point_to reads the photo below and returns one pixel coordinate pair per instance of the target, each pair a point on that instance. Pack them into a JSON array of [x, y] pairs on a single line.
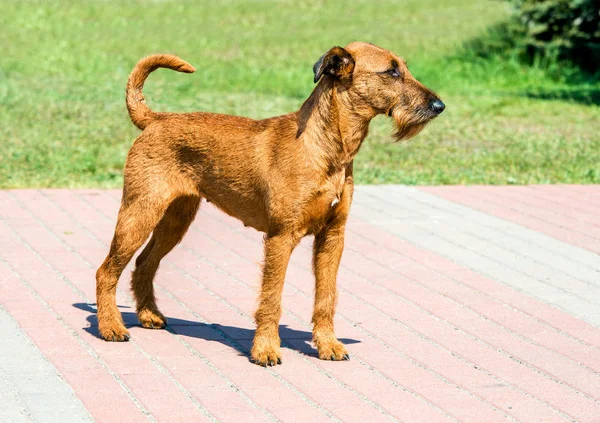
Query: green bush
[[560, 29], [547, 33]]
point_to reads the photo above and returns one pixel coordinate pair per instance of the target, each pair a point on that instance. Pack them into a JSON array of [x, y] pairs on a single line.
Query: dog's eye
[[393, 72]]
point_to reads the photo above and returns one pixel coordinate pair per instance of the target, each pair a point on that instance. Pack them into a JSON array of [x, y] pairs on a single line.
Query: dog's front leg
[[266, 345], [327, 253]]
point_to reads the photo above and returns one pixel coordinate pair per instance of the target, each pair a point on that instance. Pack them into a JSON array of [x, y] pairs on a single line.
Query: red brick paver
[[432, 338], [566, 212]]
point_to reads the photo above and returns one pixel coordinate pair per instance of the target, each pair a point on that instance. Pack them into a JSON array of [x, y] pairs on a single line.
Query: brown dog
[[287, 176]]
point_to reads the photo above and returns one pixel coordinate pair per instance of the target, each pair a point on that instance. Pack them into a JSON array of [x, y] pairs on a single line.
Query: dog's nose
[[438, 107]]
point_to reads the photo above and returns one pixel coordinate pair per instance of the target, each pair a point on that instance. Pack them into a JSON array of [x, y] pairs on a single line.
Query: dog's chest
[[326, 197], [333, 188]]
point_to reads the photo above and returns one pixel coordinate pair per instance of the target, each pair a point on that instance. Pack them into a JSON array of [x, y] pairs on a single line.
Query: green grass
[[64, 66]]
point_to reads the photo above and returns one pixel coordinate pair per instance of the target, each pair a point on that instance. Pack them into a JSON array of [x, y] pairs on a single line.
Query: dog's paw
[[266, 351], [115, 332], [152, 319], [332, 349]]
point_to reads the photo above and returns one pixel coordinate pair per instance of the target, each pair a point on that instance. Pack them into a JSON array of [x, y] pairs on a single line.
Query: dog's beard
[[408, 123]]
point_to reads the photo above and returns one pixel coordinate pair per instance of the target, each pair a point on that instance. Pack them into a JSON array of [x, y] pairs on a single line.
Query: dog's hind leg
[[167, 234], [137, 218]]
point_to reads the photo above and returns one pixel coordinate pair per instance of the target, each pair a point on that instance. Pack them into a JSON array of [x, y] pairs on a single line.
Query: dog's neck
[[329, 125]]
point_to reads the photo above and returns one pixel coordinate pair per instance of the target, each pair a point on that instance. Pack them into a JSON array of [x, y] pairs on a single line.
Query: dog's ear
[[336, 62]]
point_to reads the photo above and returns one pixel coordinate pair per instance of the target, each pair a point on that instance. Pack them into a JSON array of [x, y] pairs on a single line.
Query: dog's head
[[378, 82]]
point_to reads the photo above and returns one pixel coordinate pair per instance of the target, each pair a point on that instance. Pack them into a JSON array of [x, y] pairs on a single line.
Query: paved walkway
[[478, 304]]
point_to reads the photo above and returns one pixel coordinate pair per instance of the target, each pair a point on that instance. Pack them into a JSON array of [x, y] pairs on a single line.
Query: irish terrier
[[287, 176]]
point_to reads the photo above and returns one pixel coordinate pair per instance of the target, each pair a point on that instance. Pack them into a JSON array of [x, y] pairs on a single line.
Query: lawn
[[64, 66]]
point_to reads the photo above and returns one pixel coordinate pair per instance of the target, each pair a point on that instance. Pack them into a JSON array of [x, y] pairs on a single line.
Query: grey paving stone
[[30, 387], [13, 408], [578, 262], [534, 263]]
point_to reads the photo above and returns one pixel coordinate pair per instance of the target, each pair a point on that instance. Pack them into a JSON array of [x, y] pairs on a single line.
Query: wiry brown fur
[[287, 176]]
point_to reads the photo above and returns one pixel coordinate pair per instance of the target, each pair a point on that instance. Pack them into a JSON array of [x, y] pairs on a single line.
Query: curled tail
[[140, 113]]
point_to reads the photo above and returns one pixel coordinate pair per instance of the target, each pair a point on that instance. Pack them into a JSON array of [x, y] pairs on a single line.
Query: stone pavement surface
[[457, 304]]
